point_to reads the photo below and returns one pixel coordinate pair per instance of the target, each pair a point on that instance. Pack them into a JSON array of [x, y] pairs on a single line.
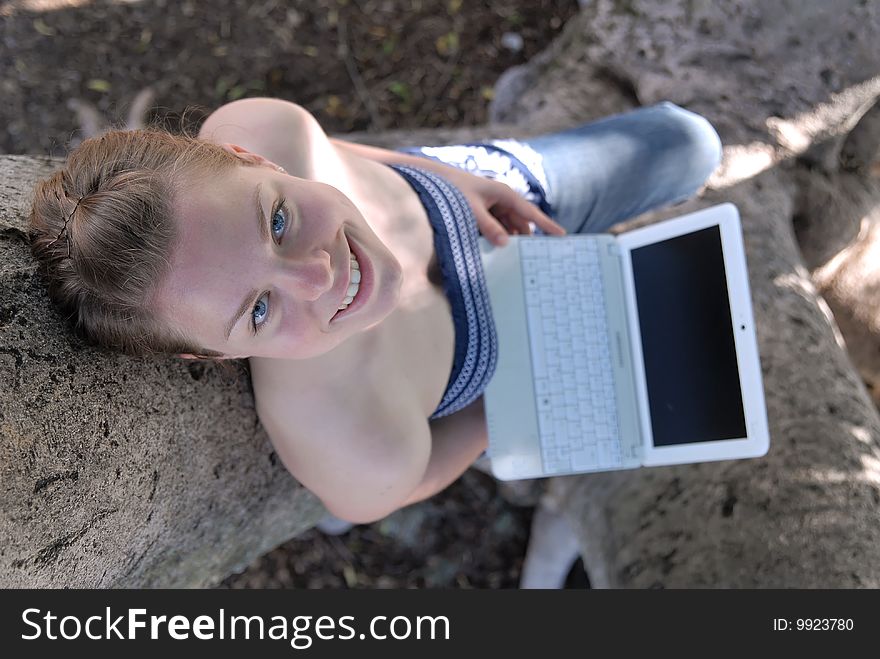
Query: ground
[[465, 537], [356, 65]]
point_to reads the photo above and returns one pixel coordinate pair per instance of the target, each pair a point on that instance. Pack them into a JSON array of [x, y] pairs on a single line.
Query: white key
[[542, 386], [606, 457], [560, 428], [586, 458]]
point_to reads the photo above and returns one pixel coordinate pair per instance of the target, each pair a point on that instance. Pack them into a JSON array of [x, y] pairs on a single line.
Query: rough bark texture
[[778, 80], [121, 472], [844, 208]]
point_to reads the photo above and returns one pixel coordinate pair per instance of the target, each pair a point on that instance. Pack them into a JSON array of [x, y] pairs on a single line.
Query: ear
[[248, 156], [187, 355]]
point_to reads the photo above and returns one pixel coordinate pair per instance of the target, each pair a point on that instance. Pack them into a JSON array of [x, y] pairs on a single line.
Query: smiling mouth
[[353, 283], [355, 294]]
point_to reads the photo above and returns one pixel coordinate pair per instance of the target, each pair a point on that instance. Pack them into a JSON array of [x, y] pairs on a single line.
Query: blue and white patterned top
[[511, 162], [458, 255]]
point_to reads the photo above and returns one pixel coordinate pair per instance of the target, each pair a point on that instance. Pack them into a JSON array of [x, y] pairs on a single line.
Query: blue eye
[[279, 219], [277, 225], [260, 312]]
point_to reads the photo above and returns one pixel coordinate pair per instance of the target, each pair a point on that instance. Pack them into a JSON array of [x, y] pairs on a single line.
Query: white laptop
[[625, 351]]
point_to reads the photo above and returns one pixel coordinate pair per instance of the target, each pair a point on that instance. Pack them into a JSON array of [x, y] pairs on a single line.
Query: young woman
[[348, 276]]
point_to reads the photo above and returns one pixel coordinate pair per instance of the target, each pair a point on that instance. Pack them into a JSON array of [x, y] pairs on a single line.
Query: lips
[[348, 273]]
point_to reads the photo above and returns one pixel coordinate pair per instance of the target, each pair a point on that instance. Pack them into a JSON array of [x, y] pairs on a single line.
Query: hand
[[498, 209]]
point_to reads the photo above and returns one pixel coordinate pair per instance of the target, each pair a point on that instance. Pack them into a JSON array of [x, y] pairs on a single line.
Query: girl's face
[[263, 263]]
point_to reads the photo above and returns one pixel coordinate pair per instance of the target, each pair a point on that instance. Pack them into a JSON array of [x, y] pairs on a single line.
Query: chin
[[392, 285]]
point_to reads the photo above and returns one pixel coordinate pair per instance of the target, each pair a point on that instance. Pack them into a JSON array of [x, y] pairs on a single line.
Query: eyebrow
[[248, 300]]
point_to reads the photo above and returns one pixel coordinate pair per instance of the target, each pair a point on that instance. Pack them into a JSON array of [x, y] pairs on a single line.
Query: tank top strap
[[458, 256]]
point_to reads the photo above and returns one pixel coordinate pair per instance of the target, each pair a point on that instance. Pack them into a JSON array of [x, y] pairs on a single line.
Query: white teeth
[[353, 286]]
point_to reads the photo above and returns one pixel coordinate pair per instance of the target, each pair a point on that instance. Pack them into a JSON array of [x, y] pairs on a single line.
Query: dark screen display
[[687, 340]]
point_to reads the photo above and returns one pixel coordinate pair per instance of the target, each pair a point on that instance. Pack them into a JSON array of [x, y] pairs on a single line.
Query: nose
[[306, 276]]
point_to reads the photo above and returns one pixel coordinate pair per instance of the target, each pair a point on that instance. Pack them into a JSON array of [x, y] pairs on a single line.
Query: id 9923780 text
[[813, 624]]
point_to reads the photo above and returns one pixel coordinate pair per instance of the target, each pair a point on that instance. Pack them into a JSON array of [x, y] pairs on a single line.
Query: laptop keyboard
[[568, 332]]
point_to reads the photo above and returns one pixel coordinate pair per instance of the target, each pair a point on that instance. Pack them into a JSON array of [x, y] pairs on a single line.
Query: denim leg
[[609, 170]]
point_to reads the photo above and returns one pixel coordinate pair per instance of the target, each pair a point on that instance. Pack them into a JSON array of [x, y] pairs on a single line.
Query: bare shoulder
[[282, 131], [362, 452]]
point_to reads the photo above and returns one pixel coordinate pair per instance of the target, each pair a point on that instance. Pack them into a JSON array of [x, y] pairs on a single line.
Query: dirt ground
[[356, 65]]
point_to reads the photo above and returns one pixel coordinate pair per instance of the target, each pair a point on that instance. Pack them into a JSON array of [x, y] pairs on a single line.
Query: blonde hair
[[102, 232]]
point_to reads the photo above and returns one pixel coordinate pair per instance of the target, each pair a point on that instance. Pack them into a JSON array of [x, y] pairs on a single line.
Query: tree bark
[[124, 472], [154, 472], [115, 471], [774, 79]]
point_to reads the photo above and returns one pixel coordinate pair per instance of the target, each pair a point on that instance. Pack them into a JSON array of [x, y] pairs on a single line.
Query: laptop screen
[[687, 340]]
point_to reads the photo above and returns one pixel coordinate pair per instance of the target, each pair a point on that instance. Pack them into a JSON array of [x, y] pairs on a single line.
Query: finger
[[514, 220], [536, 215], [491, 228], [510, 213], [510, 221]]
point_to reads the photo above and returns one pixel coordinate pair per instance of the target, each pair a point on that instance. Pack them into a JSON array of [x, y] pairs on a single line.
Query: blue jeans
[[607, 171]]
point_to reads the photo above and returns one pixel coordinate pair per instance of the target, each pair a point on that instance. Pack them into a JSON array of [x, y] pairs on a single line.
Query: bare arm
[[289, 135], [362, 465], [394, 157], [497, 208], [456, 441]]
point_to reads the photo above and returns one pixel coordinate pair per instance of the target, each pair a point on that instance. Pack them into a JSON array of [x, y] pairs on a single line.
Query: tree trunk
[[154, 472], [121, 472], [124, 472], [774, 78]]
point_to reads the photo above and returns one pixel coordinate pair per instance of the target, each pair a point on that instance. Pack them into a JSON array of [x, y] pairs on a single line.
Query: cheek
[[342, 210], [323, 208], [299, 333], [334, 203], [307, 344]]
